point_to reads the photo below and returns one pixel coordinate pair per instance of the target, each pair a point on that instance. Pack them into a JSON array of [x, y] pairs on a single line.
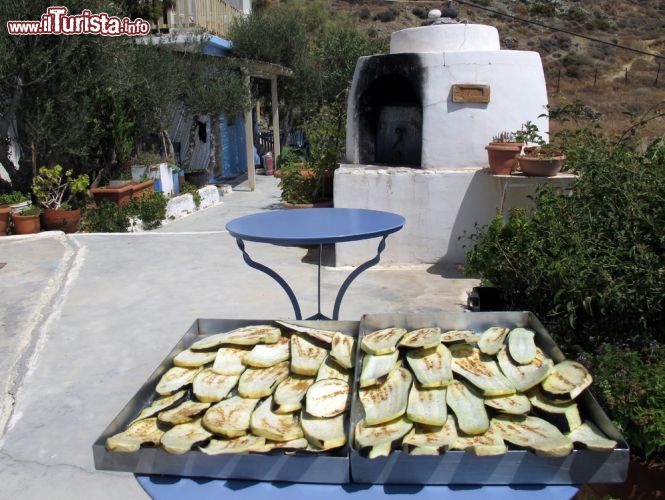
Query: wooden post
[[655, 84], [275, 120], [249, 140]]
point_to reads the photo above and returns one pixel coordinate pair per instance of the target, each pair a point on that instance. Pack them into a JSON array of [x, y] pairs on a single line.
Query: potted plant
[[56, 191], [197, 176], [501, 153], [27, 221], [16, 200], [539, 158], [4, 218]]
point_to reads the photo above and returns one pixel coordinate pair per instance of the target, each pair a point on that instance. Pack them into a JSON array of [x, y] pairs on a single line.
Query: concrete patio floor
[[85, 318]]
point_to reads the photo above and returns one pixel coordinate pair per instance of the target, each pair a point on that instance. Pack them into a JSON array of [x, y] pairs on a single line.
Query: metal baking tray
[[516, 466], [332, 467]]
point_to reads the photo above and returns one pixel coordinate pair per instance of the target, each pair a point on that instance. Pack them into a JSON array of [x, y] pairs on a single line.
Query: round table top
[[314, 226], [168, 487]]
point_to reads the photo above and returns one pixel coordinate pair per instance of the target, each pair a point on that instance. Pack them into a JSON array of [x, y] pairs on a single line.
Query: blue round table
[[314, 226]]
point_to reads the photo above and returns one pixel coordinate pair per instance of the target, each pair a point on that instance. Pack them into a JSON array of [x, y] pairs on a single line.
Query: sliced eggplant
[[183, 413], [568, 378], [228, 360], [330, 369], [323, 433], [260, 382], [521, 346], [489, 443], [193, 359], [524, 377], [266, 355], [468, 408], [432, 367], [294, 444], [515, 404], [592, 437], [327, 398], [159, 405], [231, 417], [565, 416], [242, 444], [175, 379], [290, 393], [138, 433], [423, 450], [343, 348], [306, 356], [247, 335], [380, 437], [325, 336], [467, 336], [376, 368], [180, 438], [424, 338], [270, 425], [427, 406], [481, 370], [491, 340], [534, 433], [210, 387], [435, 438], [387, 401], [382, 341]]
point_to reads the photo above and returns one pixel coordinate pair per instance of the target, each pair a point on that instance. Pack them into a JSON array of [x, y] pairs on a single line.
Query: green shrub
[[298, 187], [13, 197], [190, 188], [151, 209], [385, 16], [107, 218]]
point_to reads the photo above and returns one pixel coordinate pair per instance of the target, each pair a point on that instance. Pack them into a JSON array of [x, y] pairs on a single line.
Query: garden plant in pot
[[16, 200], [57, 191], [4, 219], [539, 158], [27, 221], [502, 153]]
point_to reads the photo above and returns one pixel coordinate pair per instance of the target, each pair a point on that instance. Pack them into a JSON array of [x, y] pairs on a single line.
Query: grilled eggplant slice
[[432, 367], [247, 335], [290, 393], [434, 438], [193, 359], [492, 339], [141, 431], [175, 379], [343, 347], [468, 408], [427, 406], [183, 414], [159, 405], [534, 433], [210, 387], [327, 398], [330, 369], [567, 378], [324, 336], [382, 341], [592, 437], [294, 444], [565, 416], [489, 443], [481, 370], [424, 338], [266, 355], [180, 438], [228, 360], [272, 426], [380, 437], [466, 336], [306, 357], [377, 368], [242, 444], [231, 417], [515, 404], [260, 382], [323, 433], [521, 346], [524, 377], [388, 401]]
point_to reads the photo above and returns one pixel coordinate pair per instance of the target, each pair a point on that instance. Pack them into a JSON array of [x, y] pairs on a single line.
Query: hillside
[[609, 80]]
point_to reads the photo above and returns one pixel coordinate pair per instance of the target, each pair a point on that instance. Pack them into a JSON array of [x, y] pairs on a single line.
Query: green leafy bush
[[107, 218], [56, 188], [190, 188], [298, 184], [151, 209], [13, 197]]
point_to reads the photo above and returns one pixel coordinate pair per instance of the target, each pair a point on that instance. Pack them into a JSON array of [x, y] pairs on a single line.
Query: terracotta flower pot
[[119, 195], [541, 166], [62, 220], [4, 219], [501, 157], [26, 224]]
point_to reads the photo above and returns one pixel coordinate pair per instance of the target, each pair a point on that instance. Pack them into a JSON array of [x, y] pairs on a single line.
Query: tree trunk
[[190, 143], [212, 162]]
